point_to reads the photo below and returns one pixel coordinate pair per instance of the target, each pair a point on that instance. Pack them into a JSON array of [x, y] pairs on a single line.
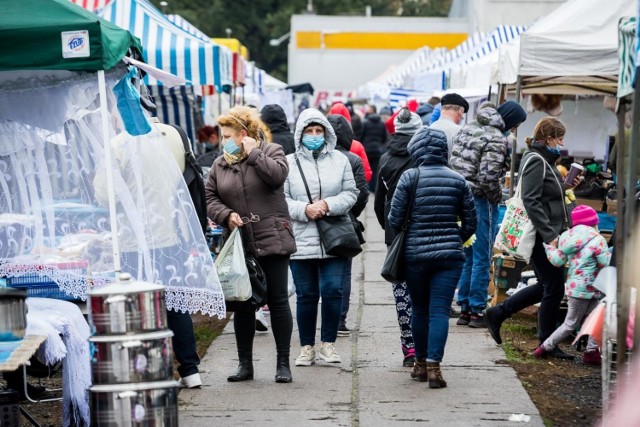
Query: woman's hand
[[575, 182], [315, 210], [234, 221], [249, 144], [554, 243]]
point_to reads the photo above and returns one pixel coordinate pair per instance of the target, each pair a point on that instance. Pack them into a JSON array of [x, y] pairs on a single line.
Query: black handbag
[[394, 265], [258, 288], [338, 234]]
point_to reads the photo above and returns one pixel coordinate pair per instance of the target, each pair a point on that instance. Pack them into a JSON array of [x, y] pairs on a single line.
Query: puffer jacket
[[330, 178], [254, 186], [344, 135], [392, 164], [274, 117], [586, 252], [480, 154], [374, 135], [442, 198]]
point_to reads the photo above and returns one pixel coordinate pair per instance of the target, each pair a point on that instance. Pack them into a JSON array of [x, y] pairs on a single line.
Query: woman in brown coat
[[245, 189]]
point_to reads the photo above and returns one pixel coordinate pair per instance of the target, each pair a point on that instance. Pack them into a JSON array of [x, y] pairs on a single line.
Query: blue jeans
[[474, 281], [346, 291], [315, 278], [431, 286]]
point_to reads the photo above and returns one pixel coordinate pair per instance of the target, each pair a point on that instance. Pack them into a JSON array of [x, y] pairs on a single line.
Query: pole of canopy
[[622, 292], [631, 221], [102, 89], [514, 147]]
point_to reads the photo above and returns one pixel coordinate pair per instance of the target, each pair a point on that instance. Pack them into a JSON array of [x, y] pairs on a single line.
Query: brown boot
[[435, 375], [420, 370]]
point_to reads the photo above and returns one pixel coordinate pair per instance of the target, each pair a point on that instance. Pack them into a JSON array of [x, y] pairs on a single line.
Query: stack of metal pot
[[132, 358]]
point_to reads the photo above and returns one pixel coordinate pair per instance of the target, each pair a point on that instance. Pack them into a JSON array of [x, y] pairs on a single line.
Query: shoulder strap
[[185, 139], [407, 214], [304, 180]]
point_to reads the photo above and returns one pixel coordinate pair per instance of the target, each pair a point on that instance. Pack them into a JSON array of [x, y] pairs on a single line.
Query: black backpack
[[193, 177]]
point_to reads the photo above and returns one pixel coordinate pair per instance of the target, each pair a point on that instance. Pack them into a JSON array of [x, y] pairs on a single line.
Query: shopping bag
[[232, 269], [517, 234], [593, 325]]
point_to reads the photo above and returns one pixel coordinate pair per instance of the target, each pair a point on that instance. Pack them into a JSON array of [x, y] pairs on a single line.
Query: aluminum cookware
[[13, 314], [141, 404], [131, 358], [127, 306]]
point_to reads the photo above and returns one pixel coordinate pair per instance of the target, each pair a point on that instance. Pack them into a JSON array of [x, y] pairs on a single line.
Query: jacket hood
[[579, 237], [311, 115], [397, 144], [342, 128], [374, 118], [273, 116], [339, 108], [490, 117], [429, 146], [424, 109]]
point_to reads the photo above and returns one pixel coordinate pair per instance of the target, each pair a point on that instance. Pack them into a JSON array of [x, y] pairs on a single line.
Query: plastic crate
[[40, 285]]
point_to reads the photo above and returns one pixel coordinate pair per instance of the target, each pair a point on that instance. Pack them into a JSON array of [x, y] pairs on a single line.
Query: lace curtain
[[54, 216]]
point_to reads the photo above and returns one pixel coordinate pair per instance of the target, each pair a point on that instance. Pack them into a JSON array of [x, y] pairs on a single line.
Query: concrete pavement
[[370, 387]]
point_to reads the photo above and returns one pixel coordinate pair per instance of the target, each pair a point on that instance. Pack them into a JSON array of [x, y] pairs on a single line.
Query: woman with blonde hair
[[543, 198], [245, 189]]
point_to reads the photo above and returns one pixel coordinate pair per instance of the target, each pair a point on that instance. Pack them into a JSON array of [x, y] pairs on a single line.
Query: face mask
[[312, 142], [231, 147], [209, 146], [554, 150], [507, 133]]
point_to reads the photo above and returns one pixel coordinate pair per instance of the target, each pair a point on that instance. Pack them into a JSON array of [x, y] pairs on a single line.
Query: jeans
[[403, 311], [474, 281], [315, 278], [244, 322], [346, 291], [431, 285], [548, 292], [183, 342]]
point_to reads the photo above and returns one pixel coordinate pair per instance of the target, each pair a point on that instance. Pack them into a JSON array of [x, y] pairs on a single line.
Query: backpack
[[193, 178]]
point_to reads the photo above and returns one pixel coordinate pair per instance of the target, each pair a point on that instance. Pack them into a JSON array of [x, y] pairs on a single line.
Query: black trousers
[[548, 292], [183, 342], [244, 322]]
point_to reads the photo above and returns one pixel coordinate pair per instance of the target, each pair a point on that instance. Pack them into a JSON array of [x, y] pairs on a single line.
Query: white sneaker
[[190, 381], [307, 356], [261, 322], [328, 353]]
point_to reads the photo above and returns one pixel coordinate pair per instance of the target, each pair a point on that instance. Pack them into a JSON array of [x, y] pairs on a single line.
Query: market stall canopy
[[574, 50], [59, 35], [301, 88], [627, 51]]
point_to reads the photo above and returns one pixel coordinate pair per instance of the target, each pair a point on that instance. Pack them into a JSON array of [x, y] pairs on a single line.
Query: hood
[[429, 146], [343, 130], [374, 118], [273, 116], [424, 109], [397, 144], [311, 115], [579, 237], [341, 109], [490, 117]]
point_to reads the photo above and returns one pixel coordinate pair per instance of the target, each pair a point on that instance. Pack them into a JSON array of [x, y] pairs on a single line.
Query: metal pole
[[514, 147], [622, 297], [632, 232]]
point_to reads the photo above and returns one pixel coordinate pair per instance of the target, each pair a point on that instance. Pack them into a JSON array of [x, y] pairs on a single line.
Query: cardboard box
[[612, 207], [507, 271], [596, 204]]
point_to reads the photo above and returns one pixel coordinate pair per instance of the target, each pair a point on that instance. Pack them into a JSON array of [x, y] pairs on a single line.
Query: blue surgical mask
[[554, 150], [231, 147], [507, 132], [209, 146], [313, 142]]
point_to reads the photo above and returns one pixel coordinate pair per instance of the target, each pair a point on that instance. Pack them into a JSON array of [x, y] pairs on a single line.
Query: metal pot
[[13, 314], [127, 306], [131, 358], [142, 404]]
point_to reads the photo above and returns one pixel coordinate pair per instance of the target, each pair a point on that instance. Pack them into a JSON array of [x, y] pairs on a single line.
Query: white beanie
[[407, 122]]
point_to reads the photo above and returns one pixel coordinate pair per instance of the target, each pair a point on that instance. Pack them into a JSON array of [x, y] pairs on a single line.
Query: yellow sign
[[382, 41], [234, 45]]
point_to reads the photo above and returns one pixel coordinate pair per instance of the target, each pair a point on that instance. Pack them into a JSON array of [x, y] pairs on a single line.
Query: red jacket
[[356, 146]]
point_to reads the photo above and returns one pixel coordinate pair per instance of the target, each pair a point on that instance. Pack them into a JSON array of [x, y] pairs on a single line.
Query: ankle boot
[[419, 371], [244, 371], [283, 372], [435, 375]]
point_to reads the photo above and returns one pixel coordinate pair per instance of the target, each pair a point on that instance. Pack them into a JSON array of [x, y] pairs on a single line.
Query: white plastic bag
[[232, 270], [292, 285]]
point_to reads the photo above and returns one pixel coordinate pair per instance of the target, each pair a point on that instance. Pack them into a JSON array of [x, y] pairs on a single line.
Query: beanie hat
[[407, 122], [584, 215], [455, 99], [512, 114]]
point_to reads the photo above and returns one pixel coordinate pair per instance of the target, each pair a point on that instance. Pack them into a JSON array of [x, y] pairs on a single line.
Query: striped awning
[[168, 47], [188, 27], [178, 106], [92, 5], [627, 49]]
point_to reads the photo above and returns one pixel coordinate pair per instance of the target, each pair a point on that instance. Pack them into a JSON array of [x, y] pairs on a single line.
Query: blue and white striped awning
[[399, 97], [188, 27], [168, 47], [178, 106]]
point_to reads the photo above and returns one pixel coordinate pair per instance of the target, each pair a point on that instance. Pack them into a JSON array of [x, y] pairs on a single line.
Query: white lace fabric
[[54, 217]]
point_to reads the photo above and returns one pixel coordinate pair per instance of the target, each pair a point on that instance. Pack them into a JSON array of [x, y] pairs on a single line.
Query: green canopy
[[58, 35]]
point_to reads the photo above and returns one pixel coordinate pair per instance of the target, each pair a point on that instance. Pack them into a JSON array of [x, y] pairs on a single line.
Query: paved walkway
[[370, 387]]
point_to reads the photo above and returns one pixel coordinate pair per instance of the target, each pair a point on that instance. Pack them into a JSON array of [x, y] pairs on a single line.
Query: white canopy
[[580, 38]]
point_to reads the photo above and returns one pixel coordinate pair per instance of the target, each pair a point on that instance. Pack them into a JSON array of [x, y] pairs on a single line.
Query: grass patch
[[513, 354]]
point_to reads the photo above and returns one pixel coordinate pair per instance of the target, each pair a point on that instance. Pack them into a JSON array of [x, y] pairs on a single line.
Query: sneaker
[[559, 354], [307, 356], [343, 331], [190, 381], [261, 322], [464, 318], [592, 357], [540, 352], [477, 321], [328, 353]]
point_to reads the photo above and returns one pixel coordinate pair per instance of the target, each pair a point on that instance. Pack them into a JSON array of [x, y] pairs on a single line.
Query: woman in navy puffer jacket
[[433, 247]]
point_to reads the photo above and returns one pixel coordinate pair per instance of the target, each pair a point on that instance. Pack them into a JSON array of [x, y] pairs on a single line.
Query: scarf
[[232, 159]]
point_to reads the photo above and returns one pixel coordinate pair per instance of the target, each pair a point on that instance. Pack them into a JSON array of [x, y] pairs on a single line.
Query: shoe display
[[261, 322], [592, 357], [493, 317], [477, 320], [307, 356], [464, 318], [343, 331], [559, 354], [190, 381], [328, 353]]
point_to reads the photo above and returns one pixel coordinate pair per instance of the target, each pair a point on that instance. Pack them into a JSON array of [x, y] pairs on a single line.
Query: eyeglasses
[[247, 220]]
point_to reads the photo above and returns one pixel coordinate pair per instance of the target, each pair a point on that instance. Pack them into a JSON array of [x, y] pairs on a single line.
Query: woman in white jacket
[[333, 192]]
